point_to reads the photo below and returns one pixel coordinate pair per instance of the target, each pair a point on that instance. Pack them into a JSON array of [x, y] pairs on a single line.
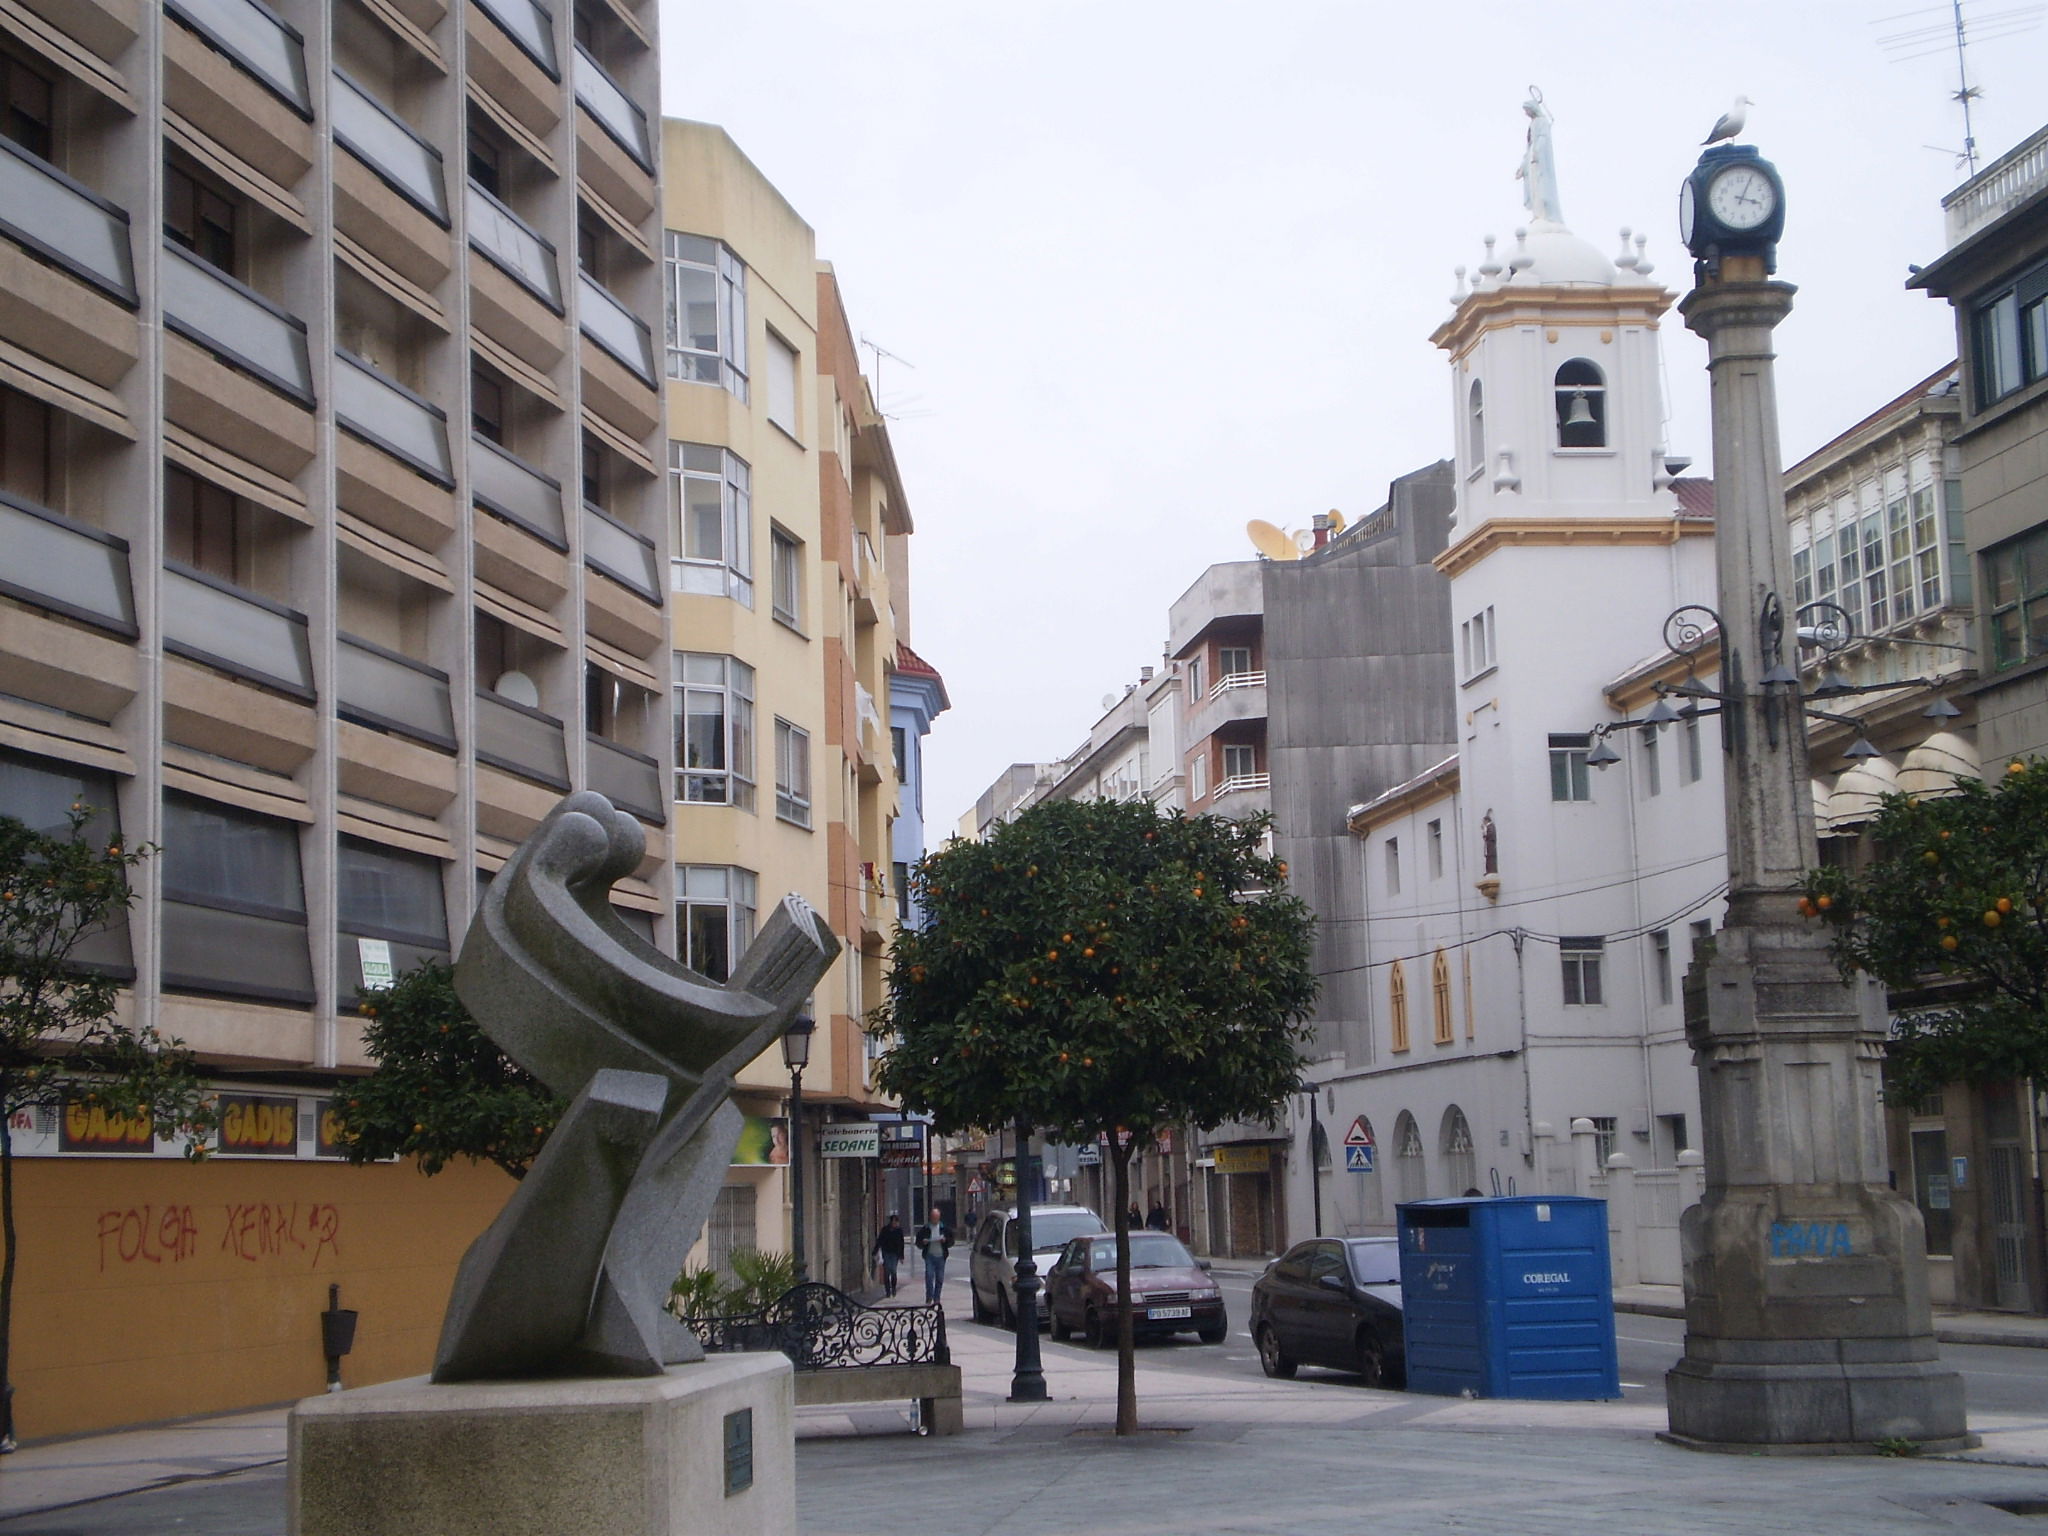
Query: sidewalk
[[1219, 1454]]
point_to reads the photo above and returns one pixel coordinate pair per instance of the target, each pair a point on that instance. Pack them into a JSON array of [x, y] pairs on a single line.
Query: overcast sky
[[1165, 267]]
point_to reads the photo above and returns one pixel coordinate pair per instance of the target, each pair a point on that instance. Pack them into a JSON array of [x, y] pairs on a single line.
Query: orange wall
[[155, 1289]]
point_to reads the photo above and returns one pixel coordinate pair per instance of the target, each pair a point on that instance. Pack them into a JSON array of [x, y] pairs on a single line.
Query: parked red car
[[1171, 1291]]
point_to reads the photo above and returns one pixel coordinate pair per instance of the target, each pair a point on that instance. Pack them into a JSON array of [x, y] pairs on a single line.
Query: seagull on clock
[[1730, 122]]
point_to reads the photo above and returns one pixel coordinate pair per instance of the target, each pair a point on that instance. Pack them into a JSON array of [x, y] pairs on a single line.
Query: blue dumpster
[[1508, 1297]]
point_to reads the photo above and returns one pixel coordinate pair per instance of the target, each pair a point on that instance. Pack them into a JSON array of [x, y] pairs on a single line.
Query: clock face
[[1686, 212], [1742, 197]]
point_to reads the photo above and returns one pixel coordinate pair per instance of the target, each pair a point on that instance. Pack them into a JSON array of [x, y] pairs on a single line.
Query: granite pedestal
[[642, 1456]]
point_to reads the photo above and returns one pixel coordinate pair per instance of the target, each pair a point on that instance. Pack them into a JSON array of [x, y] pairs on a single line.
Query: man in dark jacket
[[889, 1251], [935, 1240]]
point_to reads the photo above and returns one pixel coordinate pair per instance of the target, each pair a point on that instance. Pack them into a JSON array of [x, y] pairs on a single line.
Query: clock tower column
[[1808, 1326]]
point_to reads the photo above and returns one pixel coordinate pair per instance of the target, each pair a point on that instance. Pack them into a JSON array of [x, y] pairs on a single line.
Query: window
[[1899, 531], [1475, 416], [899, 750], [1699, 931], [24, 444], [711, 493], [714, 730], [1877, 609], [1476, 637], [1194, 679], [209, 529], [1393, 858], [394, 900], [792, 773], [487, 406], [2016, 599], [1435, 838], [1581, 405], [1198, 775], [1240, 761], [707, 313], [486, 146], [1603, 1137], [1675, 1142], [27, 106], [1397, 1006], [782, 375], [2009, 333], [1653, 764], [1581, 957], [1660, 963], [1570, 778], [1440, 997], [612, 707], [1689, 742], [786, 578], [899, 882], [714, 916], [1233, 661], [199, 218], [40, 792], [234, 911], [1802, 572]]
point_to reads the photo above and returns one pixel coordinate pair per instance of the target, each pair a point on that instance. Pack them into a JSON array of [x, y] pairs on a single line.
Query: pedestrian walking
[[888, 1251], [935, 1241], [1156, 1217], [1137, 1221]]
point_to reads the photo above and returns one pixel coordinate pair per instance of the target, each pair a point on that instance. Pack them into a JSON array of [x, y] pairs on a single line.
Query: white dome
[[1556, 256]]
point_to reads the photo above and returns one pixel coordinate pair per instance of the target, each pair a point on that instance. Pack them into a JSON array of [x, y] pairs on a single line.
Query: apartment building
[[791, 562], [332, 552]]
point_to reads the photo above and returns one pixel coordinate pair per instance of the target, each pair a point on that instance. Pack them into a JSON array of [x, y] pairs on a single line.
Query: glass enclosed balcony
[[404, 161], [390, 692], [49, 561], [258, 39], [209, 621], [235, 323], [630, 780], [530, 25], [611, 547], [615, 328], [520, 740], [512, 246], [49, 213], [616, 112], [505, 484], [387, 415]]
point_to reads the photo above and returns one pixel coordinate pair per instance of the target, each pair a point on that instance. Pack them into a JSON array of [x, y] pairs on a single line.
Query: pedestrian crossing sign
[[1359, 1159]]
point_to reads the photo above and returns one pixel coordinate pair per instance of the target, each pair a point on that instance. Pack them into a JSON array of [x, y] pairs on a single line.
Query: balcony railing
[[616, 112], [520, 740], [530, 25], [1996, 190], [52, 562], [1231, 681], [1242, 783], [209, 621], [235, 323], [630, 780], [616, 328], [387, 415], [514, 247], [375, 135], [258, 39], [506, 485], [61, 221], [617, 551], [390, 692]]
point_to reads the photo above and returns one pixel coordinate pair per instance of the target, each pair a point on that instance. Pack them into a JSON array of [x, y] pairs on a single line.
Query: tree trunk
[[1126, 1343], [7, 1264]]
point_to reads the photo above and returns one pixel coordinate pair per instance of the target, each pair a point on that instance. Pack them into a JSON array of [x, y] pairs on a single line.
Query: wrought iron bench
[[845, 1352]]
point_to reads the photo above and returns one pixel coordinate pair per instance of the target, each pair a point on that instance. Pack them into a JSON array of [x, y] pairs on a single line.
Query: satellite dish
[[1337, 522], [1108, 702], [1304, 540], [519, 688], [1271, 541]]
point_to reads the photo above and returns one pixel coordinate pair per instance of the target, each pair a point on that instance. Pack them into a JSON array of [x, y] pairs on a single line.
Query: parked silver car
[[992, 1266]]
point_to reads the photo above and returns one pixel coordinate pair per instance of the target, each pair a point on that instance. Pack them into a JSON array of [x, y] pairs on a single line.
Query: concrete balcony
[[235, 72], [390, 192], [1236, 697], [513, 65], [615, 153], [70, 643], [1242, 795], [1221, 595], [630, 780]]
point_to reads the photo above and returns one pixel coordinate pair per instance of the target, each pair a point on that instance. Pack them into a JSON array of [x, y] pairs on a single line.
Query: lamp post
[[1027, 1381], [1808, 1326], [796, 1055]]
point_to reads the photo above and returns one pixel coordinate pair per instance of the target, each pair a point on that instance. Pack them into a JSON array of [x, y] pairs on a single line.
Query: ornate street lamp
[[1027, 1380], [796, 1055]]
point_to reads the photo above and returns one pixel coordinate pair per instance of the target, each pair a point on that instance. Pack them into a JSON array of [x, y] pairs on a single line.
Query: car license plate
[[1163, 1314]]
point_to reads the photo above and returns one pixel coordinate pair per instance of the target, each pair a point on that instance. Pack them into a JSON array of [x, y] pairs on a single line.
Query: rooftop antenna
[[1956, 29], [881, 352]]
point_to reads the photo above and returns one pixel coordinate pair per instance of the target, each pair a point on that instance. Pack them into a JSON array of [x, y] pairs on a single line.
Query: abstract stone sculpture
[[572, 1277]]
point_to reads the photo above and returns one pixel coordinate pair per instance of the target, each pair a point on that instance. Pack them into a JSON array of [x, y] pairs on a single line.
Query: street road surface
[[1997, 1378]]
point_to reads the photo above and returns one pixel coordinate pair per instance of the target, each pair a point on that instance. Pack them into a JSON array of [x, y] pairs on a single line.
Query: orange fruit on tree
[[1948, 941], [1992, 918], [2004, 903]]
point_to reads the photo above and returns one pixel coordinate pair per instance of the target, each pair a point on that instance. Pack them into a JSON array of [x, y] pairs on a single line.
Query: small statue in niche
[[1489, 846]]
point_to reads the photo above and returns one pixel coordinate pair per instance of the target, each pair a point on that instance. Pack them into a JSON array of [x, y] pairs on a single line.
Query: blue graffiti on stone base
[[1811, 1240]]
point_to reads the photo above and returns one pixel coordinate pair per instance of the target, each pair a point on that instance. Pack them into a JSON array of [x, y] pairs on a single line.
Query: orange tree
[[442, 1088], [1953, 908], [1094, 968], [63, 1045]]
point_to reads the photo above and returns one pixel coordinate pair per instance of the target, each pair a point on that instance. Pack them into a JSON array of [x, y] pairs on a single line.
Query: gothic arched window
[[1581, 405], [1397, 1007]]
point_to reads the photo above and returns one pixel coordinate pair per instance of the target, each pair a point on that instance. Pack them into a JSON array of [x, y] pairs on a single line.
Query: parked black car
[[1333, 1301]]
